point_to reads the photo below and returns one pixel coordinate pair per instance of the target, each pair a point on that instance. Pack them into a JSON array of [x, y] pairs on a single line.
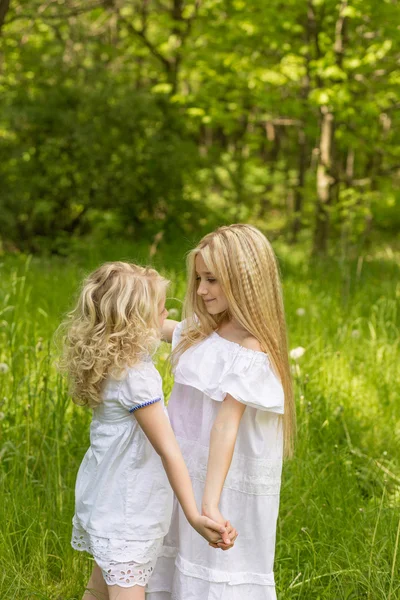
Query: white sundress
[[123, 500], [188, 568]]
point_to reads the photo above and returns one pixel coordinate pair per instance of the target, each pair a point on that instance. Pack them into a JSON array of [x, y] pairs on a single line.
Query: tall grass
[[338, 533]]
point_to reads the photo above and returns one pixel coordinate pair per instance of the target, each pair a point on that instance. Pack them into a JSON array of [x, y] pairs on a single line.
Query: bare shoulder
[[251, 343]]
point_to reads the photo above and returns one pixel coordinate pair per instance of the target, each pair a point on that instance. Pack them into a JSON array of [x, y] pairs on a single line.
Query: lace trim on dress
[[128, 574], [114, 550], [216, 576], [257, 476]]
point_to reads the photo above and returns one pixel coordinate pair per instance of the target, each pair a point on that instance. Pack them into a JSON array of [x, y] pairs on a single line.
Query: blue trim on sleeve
[[131, 410]]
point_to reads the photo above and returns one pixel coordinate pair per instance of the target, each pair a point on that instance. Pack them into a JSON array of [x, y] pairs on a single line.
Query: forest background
[[130, 128]]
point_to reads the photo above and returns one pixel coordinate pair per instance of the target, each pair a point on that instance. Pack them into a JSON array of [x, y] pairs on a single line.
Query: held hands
[[212, 531], [226, 541]]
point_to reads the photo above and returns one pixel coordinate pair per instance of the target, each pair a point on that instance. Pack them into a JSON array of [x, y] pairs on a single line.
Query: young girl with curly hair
[[123, 500], [232, 411]]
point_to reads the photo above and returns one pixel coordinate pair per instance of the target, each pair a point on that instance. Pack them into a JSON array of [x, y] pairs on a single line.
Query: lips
[[207, 301]]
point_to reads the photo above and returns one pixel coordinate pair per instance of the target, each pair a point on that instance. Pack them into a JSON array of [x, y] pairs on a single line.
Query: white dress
[[123, 500], [188, 568]]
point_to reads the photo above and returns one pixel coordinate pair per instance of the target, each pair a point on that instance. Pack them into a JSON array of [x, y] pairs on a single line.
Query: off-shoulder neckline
[[239, 346]]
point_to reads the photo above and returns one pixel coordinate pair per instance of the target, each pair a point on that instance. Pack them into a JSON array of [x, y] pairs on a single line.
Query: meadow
[[339, 526]]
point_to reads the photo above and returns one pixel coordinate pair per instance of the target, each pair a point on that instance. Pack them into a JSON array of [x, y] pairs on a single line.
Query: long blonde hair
[[113, 326], [243, 261]]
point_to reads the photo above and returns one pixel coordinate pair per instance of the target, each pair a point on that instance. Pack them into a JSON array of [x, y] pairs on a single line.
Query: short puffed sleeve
[[141, 386], [257, 386], [218, 367]]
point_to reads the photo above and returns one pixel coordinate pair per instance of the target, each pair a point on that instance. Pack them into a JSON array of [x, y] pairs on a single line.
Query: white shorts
[[126, 574], [125, 563]]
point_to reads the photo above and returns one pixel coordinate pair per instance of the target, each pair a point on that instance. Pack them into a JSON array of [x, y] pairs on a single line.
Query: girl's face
[[162, 313], [209, 289]]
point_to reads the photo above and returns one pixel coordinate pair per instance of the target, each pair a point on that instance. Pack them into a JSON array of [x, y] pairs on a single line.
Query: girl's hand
[[167, 329], [226, 542], [210, 530]]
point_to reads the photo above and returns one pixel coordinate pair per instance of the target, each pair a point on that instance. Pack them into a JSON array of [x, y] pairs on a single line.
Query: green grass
[[338, 533]]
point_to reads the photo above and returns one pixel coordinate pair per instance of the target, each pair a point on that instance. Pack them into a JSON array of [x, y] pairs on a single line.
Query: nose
[[202, 289], [166, 313]]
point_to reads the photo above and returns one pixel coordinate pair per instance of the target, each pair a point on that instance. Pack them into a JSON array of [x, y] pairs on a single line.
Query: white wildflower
[[300, 312], [355, 333], [173, 313], [4, 368], [297, 353]]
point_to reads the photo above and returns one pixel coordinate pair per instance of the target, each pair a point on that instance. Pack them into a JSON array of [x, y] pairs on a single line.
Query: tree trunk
[[273, 137], [325, 183], [325, 169], [140, 61], [299, 189], [4, 6], [350, 167]]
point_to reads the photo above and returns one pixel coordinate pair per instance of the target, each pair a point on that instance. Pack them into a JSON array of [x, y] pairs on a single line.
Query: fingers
[[222, 545], [230, 530], [225, 547], [226, 537], [214, 525], [221, 537], [231, 533], [213, 537], [229, 527], [232, 538]]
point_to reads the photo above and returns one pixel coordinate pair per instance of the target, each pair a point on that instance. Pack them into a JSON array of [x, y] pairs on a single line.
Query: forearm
[[179, 479], [157, 428], [155, 424], [222, 444]]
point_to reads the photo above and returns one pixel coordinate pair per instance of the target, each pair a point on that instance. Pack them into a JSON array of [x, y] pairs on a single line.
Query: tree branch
[[4, 6], [141, 34]]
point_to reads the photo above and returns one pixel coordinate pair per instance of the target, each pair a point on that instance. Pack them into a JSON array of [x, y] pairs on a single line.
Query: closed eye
[[209, 279]]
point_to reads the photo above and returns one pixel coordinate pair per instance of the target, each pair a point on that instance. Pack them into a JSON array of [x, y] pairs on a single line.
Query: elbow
[[224, 428], [168, 455], [220, 427]]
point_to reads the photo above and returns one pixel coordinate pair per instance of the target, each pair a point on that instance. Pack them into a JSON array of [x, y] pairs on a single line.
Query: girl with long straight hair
[[233, 413]]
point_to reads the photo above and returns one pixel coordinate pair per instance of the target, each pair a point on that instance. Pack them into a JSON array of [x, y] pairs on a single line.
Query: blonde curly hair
[[113, 326]]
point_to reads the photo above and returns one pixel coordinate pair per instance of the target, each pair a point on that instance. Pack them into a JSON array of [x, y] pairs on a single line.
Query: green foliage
[[81, 158], [134, 118]]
